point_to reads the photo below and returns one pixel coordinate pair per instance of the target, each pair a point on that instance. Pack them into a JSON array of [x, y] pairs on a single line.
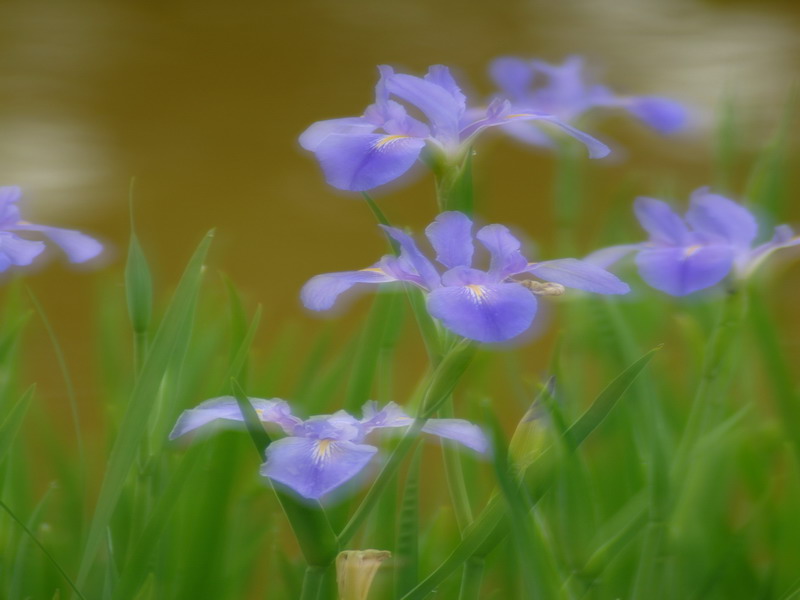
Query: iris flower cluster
[[487, 299], [361, 153]]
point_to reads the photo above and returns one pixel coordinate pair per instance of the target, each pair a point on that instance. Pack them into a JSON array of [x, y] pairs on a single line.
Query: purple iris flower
[[18, 251], [360, 153], [323, 452], [483, 305], [566, 92], [684, 255]]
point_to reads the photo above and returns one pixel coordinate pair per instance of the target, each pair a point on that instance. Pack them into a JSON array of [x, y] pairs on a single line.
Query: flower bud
[[355, 570]]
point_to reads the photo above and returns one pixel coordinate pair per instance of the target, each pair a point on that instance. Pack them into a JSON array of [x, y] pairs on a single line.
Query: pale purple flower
[[321, 453], [685, 255], [19, 251], [489, 305], [360, 153], [568, 93]]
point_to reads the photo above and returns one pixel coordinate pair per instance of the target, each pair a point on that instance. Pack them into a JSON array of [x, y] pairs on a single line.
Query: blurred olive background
[[203, 101]]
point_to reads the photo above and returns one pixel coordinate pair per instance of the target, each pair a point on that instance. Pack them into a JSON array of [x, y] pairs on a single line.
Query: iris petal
[[316, 133], [660, 221], [311, 467], [579, 274], [506, 258], [226, 410], [461, 431], [512, 75], [605, 257], [451, 236], [321, 291], [410, 255], [681, 271], [358, 162], [486, 313], [77, 246], [442, 108], [718, 216], [15, 251], [662, 114]]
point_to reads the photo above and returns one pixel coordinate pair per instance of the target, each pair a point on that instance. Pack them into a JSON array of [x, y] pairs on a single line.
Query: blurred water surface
[[202, 102]]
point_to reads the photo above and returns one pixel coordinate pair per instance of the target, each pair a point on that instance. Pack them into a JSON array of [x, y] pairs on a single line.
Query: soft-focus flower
[[684, 255], [323, 452], [360, 153], [18, 251], [566, 92], [483, 305]]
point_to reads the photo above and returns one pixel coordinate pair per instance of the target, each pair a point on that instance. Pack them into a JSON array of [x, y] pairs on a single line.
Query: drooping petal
[[358, 162], [9, 196], [15, 251], [579, 274], [389, 416], [681, 271], [321, 291], [784, 237], [605, 257], [504, 248], [77, 246], [512, 75], [595, 147], [486, 313], [718, 216], [316, 133], [500, 114], [662, 114], [225, 411], [312, 467], [461, 431], [660, 221], [437, 103], [413, 257], [528, 133], [451, 237]]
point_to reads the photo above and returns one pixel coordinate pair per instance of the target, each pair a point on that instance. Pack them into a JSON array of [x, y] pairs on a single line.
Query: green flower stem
[[312, 582], [454, 474], [454, 189], [709, 396], [471, 579], [441, 385]]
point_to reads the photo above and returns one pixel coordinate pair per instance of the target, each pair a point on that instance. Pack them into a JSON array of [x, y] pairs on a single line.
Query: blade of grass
[[486, 531], [406, 554], [308, 521], [135, 421], [13, 421], [44, 550]]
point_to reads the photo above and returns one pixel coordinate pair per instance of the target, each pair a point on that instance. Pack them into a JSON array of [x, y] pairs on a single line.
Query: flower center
[[388, 140], [323, 450], [691, 250], [478, 291]]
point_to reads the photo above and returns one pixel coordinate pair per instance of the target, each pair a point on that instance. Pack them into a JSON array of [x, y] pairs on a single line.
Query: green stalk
[[441, 385], [312, 583], [454, 473], [454, 190], [708, 399], [471, 579]]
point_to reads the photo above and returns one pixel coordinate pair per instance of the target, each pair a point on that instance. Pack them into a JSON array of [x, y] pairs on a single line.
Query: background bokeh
[[202, 102]]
